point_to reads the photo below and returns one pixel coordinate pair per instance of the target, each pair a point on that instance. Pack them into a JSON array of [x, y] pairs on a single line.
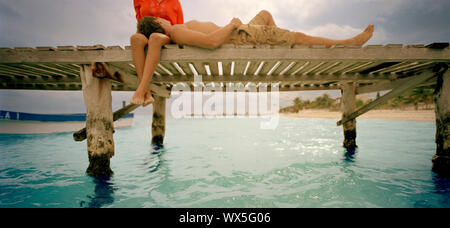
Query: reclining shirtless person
[[260, 30]]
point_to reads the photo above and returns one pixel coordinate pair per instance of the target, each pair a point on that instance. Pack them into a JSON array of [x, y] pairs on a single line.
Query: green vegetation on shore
[[418, 99]]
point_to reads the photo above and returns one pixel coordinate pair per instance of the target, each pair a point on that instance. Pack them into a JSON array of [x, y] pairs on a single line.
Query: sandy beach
[[405, 115]]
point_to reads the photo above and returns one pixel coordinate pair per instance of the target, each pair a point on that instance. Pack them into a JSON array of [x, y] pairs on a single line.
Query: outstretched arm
[[182, 35]]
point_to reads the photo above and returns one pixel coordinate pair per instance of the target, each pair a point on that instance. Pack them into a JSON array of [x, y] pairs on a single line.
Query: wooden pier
[[98, 70]]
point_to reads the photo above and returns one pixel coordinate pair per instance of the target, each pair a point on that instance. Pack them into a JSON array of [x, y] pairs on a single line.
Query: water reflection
[[153, 161], [350, 155], [348, 162], [442, 187], [103, 194]]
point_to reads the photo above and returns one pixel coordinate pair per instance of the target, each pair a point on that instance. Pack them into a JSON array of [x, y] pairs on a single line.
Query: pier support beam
[[99, 122], [441, 161], [159, 120], [348, 107]]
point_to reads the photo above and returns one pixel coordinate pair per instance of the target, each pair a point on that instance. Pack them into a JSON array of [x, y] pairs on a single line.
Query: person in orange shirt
[[167, 9]]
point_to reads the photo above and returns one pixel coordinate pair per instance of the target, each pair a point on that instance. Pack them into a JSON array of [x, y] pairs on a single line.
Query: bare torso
[[203, 27]]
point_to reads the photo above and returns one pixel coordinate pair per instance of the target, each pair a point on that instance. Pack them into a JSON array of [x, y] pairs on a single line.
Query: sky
[[31, 23]]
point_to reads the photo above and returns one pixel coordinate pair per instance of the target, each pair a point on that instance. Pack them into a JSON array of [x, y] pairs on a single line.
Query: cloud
[[111, 22], [285, 12], [66, 22], [334, 31]]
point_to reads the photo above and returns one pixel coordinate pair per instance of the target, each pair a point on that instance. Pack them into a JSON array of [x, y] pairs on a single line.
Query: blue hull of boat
[[7, 115]]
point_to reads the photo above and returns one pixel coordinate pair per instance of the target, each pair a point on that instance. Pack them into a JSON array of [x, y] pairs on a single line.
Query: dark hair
[[148, 25]]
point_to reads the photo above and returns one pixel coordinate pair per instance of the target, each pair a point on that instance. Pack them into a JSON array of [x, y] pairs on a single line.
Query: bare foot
[[363, 37], [148, 99], [138, 98]]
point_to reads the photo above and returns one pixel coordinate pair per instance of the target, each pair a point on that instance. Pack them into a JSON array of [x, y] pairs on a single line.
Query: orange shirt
[[168, 9]]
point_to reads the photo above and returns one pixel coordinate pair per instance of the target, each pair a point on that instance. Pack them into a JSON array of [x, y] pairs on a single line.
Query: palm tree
[[297, 104]]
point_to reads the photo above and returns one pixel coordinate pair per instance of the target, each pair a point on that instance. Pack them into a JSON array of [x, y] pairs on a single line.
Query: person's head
[[149, 25]]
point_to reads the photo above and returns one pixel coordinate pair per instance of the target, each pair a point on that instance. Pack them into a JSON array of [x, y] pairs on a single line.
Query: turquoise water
[[230, 163]]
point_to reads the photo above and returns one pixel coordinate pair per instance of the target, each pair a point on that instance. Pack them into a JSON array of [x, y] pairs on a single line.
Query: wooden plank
[[274, 68], [381, 86], [388, 85], [63, 71], [318, 46], [226, 67], [200, 67], [193, 70], [344, 65], [393, 46], [399, 68], [4, 49], [179, 69], [415, 46], [287, 68], [185, 68], [45, 48], [70, 87], [214, 68], [80, 135], [91, 48], [114, 48], [67, 67], [30, 79], [48, 72], [69, 55], [312, 67], [413, 67], [232, 68], [440, 45], [219, 68], [391, 67], [300, 68], [379, 66], [337, 46], [66, 48], [258, 69], [11, 72], [414, 81], [247, 68], [239, 67], [163, 70], [354, 46], [331, 66], [19, 69], [125, 67], [273, 78], [132, 82], [24, 49], [357, 67]]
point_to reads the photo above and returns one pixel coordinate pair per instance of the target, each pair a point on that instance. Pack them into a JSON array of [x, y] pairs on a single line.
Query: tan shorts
[[256, 32]]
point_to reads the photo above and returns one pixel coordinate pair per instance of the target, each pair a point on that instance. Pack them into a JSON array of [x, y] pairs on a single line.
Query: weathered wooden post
[[348, 107], [159, 120], [99, 122], [441, 161]]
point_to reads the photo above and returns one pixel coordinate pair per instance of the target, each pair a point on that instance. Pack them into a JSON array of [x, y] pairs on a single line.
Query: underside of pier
[[352, 69]]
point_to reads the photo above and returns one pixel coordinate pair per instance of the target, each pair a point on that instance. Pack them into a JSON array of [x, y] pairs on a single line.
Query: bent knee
[[138, 39], [265, 13], [156, 38]]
